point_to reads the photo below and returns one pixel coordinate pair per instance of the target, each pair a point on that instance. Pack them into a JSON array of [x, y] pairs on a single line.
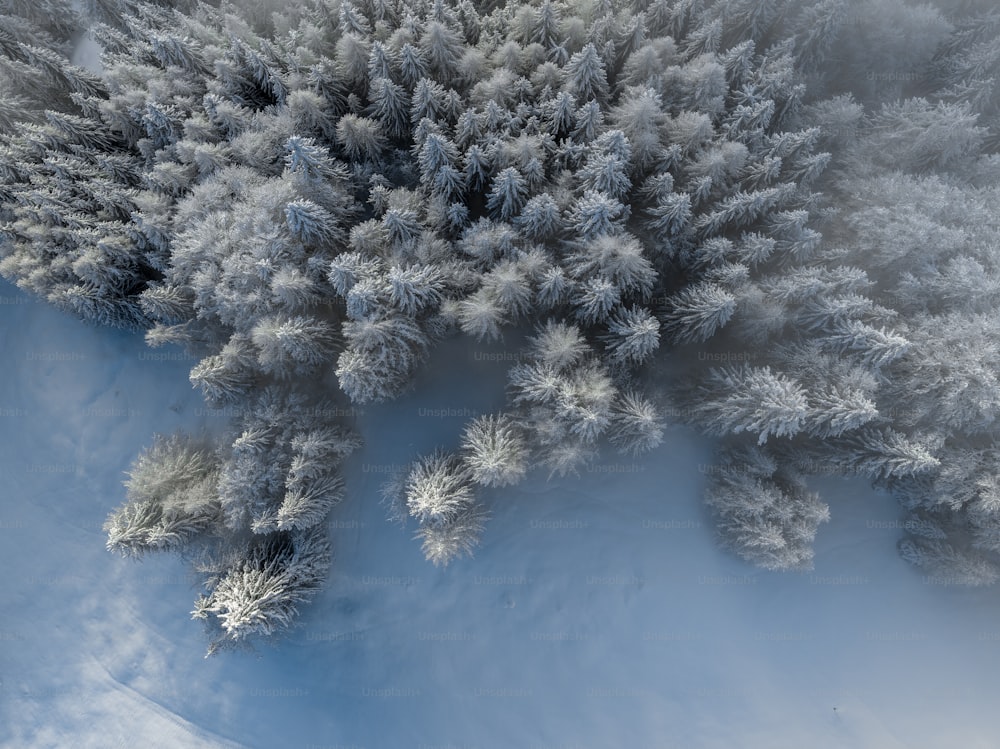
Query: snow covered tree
[[539, 218], [286, 345], [636, 424], [443, 543], [257, 590], [228, 376], [947, 564], [619, 259], [751, 399], [586, 77], [633, 336], [765, 514], [309, 499], [172, 498], [698, 311], [884, 454], [494, 451], [597, 213], [438, 489], [380, 354], [507, 195]]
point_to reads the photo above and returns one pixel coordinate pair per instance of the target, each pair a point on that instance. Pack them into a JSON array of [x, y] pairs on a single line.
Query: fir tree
[[172, 499], [257, 590], [438, 489], [494, 451]]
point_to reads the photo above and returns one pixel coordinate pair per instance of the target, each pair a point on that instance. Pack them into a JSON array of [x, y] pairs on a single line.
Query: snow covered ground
[[597, 612]]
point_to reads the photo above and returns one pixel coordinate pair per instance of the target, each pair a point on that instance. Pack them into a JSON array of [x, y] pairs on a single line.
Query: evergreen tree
[[698, 311], [765, 515], [493, 451], [633, 336], [636, 424], [438, 489], [171, 499], [586, 77], [751, 399], [507, 195], [444, 543], [256, 591]]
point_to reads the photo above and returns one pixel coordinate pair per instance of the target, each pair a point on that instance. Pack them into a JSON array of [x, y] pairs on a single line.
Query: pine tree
[[595, 299], [597, 213], [558, 344], [308, 499], [171, 498], [312, 223], [482, 315], [636, 424], [290, 344], [228, 376], [944, 563], [766, 516], [633, 336], [494, 451], [586, 77], [698, 311], [415, 290], [442, 48], [438, 489], [443, 543], [884, 454], [380, 354], [540, 217], [390, 107], [361, 137], [258, 590], [507, 195], [751, 399], [619, 259]]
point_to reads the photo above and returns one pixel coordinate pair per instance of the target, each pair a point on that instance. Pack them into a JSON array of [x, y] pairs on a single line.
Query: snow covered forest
[[776, 221]]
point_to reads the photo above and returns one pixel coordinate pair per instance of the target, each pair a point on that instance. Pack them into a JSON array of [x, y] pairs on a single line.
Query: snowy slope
[[597, 612]]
